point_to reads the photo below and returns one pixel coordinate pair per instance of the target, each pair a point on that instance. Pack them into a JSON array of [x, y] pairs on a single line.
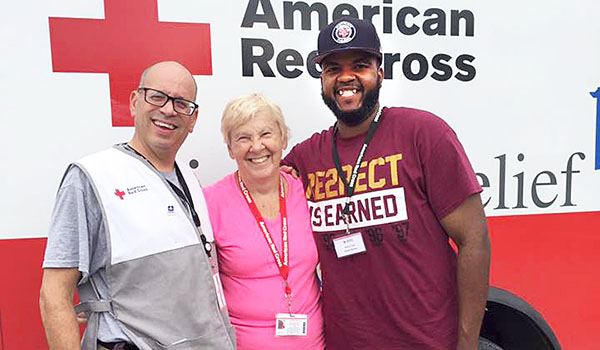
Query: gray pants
[[100, 347]]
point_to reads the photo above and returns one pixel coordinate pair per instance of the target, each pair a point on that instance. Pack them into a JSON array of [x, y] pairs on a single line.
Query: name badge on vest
[[291, 324], [214, 266], [219, 290], [349, 244]]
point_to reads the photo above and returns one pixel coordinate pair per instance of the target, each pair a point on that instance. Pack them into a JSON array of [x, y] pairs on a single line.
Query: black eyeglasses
[[159, 99]]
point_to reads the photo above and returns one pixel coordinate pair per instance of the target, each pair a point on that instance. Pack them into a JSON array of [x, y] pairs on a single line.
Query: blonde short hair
[[242, 109]]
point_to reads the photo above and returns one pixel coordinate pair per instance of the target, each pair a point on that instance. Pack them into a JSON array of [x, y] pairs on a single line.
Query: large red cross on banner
[[128, 40]]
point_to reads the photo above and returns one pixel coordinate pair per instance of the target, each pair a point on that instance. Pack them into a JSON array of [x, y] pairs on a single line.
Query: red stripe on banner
[[20, 277], [552, 262], [549, 260], [1, 341]]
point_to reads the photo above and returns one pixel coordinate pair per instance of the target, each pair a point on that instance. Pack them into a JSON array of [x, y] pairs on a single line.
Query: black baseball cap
[[348, 33]]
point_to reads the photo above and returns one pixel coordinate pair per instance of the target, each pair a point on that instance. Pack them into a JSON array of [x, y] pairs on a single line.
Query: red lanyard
[[284, 266]]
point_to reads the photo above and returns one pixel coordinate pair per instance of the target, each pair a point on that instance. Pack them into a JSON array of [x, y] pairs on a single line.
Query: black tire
[[512, 323], [485, 344]]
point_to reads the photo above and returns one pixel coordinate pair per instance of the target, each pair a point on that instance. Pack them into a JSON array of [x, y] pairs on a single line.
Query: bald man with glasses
[[131, 233]]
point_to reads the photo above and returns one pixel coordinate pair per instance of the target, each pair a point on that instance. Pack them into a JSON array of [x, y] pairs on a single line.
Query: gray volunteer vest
[[160, 280]]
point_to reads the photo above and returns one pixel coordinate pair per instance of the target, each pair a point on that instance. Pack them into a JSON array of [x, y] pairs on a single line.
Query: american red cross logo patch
[[119, 193]]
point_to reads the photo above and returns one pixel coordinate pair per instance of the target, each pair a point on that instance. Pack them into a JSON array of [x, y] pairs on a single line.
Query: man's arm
[[467, 227], [56, 306]]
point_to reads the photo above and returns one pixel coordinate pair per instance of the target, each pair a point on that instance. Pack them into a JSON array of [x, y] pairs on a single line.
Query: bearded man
[[388, 188]]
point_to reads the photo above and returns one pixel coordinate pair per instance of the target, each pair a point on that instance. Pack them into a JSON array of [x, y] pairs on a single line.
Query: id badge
[[349, 244], [219, 291], [291, 324]]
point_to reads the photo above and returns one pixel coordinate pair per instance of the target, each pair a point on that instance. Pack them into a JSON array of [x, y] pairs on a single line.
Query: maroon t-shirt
[[401, 293]]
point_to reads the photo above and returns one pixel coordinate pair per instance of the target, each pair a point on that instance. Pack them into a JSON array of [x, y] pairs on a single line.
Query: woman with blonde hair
[[261, 223]]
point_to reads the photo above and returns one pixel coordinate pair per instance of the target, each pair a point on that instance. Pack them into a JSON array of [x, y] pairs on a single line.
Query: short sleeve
[[211, 208], [218, 204], [289, 159], [74, 225], [449, 176]]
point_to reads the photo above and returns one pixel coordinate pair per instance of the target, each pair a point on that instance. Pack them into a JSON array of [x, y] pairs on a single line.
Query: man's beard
[[356, 116]]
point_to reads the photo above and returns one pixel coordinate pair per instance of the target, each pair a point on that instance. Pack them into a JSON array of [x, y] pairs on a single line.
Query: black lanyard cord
[[338, 165], [185, 196]]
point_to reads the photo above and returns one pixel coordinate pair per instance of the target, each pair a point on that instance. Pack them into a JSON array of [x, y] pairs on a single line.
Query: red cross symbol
[[119, 194], [128, 40]]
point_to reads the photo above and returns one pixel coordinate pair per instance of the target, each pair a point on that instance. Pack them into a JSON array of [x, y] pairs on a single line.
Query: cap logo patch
[[343, 32]]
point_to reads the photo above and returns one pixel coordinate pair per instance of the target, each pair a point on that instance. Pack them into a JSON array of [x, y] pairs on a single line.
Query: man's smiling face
[[350, 83], [161, 129]]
